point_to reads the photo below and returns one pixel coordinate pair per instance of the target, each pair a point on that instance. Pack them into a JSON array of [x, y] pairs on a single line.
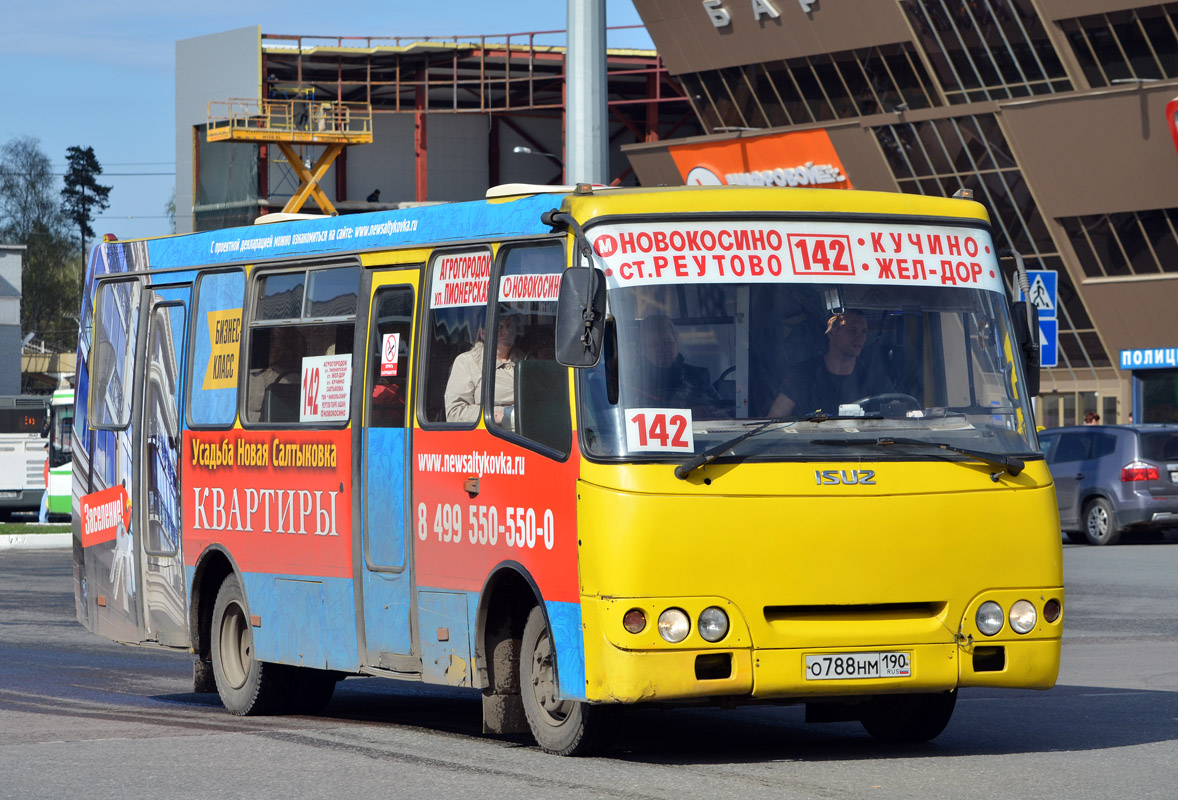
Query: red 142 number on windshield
[[813, 254], [310, 394], [659, 430]]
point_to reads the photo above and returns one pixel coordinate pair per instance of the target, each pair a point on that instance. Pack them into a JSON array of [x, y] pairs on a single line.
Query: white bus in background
[[22, 452]]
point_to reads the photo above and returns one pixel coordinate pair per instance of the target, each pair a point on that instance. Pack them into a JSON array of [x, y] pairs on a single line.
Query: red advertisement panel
[[280, 501], [480, 500], [102, 513]]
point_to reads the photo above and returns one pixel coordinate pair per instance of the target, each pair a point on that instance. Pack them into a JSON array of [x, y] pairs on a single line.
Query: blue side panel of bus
[[386, 589], [301, 620], [438, 609], [568, 637], [430, 225]]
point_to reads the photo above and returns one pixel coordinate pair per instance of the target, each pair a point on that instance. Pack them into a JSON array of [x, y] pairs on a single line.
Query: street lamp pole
[[587, 134]]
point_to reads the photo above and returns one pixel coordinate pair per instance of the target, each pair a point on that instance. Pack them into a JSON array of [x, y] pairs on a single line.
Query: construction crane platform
[[289, 122]]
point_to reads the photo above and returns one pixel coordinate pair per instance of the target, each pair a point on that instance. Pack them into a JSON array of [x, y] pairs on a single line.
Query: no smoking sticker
[[388, 354]]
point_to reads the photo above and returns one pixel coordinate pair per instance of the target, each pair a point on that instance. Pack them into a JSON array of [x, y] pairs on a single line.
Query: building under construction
[[269, 122]]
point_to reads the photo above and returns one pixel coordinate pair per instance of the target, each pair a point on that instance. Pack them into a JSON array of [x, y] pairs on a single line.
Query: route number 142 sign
[[326, 389]]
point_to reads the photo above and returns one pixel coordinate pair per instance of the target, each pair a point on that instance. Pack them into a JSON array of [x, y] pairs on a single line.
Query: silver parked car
[[1113, 478]]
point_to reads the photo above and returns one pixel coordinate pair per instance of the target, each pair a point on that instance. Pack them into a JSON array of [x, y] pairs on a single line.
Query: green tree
[[51, 288], [51, 277], [82, 195]]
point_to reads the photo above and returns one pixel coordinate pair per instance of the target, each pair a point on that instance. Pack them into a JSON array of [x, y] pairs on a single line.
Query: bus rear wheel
[[908, 717], [248, 687], [562, 727]]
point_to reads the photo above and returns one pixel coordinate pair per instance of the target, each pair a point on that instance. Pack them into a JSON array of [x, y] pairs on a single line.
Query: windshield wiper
[[712, 453], [1009, 463]]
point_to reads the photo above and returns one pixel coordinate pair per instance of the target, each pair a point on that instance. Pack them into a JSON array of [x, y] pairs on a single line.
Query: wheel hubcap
[[1098, 522], [544, 684], [236, 646]]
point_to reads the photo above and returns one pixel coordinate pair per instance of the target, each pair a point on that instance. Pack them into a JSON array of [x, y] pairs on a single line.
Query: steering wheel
[[889, 400]]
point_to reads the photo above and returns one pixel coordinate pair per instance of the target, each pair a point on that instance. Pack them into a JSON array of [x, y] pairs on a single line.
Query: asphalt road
[[81, 717]]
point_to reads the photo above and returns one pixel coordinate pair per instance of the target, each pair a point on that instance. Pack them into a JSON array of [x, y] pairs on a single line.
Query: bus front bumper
[[654, 671]]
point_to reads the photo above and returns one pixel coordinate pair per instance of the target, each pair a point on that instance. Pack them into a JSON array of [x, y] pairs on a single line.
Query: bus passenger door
[[157, 471], [385, 474]]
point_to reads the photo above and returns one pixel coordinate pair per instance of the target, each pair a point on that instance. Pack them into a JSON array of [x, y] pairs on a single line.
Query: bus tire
[[248, 687], [908, 718], [561, 727], [1100, 523]]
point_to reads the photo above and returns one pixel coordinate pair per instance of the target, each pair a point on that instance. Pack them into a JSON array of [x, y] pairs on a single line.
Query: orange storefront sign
[[804, 159]]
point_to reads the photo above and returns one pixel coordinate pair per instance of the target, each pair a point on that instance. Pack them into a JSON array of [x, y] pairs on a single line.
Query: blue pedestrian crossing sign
[[1044, 296], [1048, 342]]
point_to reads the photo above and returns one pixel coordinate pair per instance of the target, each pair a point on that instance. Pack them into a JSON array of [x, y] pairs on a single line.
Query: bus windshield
[[840, 360]]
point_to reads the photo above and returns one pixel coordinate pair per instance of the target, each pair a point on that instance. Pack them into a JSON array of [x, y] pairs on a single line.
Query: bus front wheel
[[563, 727], [908, 717], [247, 686]]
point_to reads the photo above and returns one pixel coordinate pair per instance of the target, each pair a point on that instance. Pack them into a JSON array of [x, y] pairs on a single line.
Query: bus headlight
[[989, 618], [1023, 616], [674, 625], [713, 624]]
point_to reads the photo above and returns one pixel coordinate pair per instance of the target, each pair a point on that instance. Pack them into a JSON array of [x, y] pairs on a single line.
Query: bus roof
[[506, 214]]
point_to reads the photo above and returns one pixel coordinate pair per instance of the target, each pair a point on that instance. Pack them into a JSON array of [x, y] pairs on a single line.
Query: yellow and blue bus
[[577, 448]]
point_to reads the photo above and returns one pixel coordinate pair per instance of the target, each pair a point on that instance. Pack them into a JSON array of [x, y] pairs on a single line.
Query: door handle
[[471, 486]]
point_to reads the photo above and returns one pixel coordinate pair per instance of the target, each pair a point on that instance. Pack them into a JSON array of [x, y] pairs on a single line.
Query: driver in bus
[[464, 389], [835, 378], [668, 381]]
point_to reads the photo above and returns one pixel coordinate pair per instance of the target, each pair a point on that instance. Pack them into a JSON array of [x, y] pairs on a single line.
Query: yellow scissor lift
[[290, 122]]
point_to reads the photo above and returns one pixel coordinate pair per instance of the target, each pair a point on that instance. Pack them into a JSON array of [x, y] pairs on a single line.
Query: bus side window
[[216, 349], [450, 385], [298, 315], [530, 394], [113, 357], [392, 332]]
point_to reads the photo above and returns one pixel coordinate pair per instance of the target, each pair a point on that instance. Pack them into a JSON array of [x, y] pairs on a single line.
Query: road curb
[[36, 541]]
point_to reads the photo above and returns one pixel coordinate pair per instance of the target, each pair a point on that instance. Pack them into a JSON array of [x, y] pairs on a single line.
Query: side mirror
[[1026, 326], [580, 317]]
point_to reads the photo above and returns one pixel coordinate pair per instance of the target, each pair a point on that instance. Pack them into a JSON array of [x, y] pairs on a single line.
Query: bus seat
[[281, 403]]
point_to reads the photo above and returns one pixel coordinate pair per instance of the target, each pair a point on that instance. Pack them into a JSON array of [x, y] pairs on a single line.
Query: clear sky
[[101, 74]]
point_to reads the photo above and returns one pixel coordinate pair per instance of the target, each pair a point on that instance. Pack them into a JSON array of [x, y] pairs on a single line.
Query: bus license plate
[[848, 666]]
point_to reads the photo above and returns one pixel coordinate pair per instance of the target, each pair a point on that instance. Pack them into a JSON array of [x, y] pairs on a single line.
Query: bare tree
[[26, 190], [51, 276]]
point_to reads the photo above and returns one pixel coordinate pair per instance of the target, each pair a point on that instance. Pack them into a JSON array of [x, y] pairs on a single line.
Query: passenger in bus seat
[[283, 369], [668, 381], [464, 389], [825, 382]]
